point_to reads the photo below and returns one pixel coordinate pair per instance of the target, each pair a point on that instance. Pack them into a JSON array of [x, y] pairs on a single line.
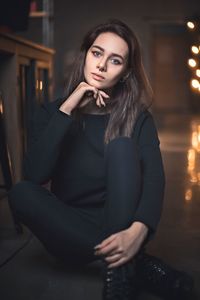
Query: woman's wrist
[[139, 228], [66, 111]]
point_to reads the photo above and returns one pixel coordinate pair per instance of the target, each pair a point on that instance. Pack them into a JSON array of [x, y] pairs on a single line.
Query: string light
[[198, 72], [192, 62], [195, 49], [195, 83], [190, 25]]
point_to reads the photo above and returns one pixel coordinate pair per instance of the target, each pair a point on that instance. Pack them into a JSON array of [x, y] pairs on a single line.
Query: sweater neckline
[[96, 115]]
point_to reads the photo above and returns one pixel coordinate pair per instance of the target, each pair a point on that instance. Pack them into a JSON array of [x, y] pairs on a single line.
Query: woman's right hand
[[74, 100]]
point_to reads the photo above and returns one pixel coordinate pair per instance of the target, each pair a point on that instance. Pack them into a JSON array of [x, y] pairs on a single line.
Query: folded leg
[[67, 232], [123, 181]]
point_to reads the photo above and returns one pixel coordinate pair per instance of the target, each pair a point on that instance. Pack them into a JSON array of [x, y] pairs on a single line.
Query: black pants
[[70, 232]]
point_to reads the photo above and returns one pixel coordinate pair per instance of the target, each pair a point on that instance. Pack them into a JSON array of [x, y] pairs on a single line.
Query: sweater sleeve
[[153, 177], [43, 149]]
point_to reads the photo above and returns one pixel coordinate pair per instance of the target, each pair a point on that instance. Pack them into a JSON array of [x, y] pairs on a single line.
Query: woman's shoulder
[[143, 117], [145, 130]]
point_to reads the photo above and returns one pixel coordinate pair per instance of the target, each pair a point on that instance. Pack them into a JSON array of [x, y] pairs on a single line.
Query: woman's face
[[106, 61]]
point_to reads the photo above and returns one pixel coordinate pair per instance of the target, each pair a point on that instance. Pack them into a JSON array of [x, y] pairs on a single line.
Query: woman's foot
[[159, 278], [119, 282]]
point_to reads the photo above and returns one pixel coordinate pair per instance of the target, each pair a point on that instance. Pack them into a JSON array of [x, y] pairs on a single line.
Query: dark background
[[159, 25]]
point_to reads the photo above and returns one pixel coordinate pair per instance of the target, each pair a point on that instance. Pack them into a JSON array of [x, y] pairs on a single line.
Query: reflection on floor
[[32, 274]]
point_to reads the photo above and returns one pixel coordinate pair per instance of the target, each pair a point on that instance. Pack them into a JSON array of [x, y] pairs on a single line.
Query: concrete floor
[[33, 274]]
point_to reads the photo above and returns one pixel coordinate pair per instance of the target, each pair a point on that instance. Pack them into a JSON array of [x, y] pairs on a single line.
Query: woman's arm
[[48, 130]]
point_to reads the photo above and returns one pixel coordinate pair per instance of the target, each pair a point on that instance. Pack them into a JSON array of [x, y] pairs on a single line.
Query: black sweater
[[72, 158]]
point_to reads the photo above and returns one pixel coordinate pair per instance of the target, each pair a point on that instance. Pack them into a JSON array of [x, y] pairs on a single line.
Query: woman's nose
[[102, 65]]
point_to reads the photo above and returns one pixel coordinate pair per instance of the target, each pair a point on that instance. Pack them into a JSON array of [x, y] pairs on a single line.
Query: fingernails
[[97, 246], [104, 94]]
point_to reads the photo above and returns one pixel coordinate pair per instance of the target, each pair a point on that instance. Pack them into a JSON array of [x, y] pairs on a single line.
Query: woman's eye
[[116, 61], [96, 53]]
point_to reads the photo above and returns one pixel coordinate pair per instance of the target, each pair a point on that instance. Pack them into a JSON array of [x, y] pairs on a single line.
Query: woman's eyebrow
[[115, 54]]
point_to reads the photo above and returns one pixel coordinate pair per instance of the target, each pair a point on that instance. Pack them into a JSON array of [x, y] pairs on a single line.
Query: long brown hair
[[128, 97]]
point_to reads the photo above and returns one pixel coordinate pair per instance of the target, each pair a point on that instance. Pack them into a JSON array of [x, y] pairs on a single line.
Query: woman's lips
[[97, 77]]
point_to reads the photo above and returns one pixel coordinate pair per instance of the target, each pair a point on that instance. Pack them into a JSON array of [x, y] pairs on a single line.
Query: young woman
[[100, 149]]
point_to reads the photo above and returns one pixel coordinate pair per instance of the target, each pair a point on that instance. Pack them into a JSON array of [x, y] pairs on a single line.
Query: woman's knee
[[19, 191], [20, 188]]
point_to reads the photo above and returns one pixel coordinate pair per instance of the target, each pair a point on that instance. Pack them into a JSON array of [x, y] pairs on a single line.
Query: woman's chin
[[99, 85], [96, 84]]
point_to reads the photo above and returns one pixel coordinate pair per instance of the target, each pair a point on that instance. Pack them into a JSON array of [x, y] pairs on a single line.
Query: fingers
[[106, 241], [84, 93], [112, 247], [104, 94], [97, 94], [100, 100], [113, 258], [118, 263], [108, 246]]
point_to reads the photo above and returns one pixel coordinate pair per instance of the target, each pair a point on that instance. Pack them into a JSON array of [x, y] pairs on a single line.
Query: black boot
[[120, 282], [159, 278]]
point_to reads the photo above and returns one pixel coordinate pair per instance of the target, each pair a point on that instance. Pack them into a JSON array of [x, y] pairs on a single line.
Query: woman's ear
[[125, 76]]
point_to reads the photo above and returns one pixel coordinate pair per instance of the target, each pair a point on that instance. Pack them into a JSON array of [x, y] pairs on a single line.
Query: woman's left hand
[[123, 245]]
